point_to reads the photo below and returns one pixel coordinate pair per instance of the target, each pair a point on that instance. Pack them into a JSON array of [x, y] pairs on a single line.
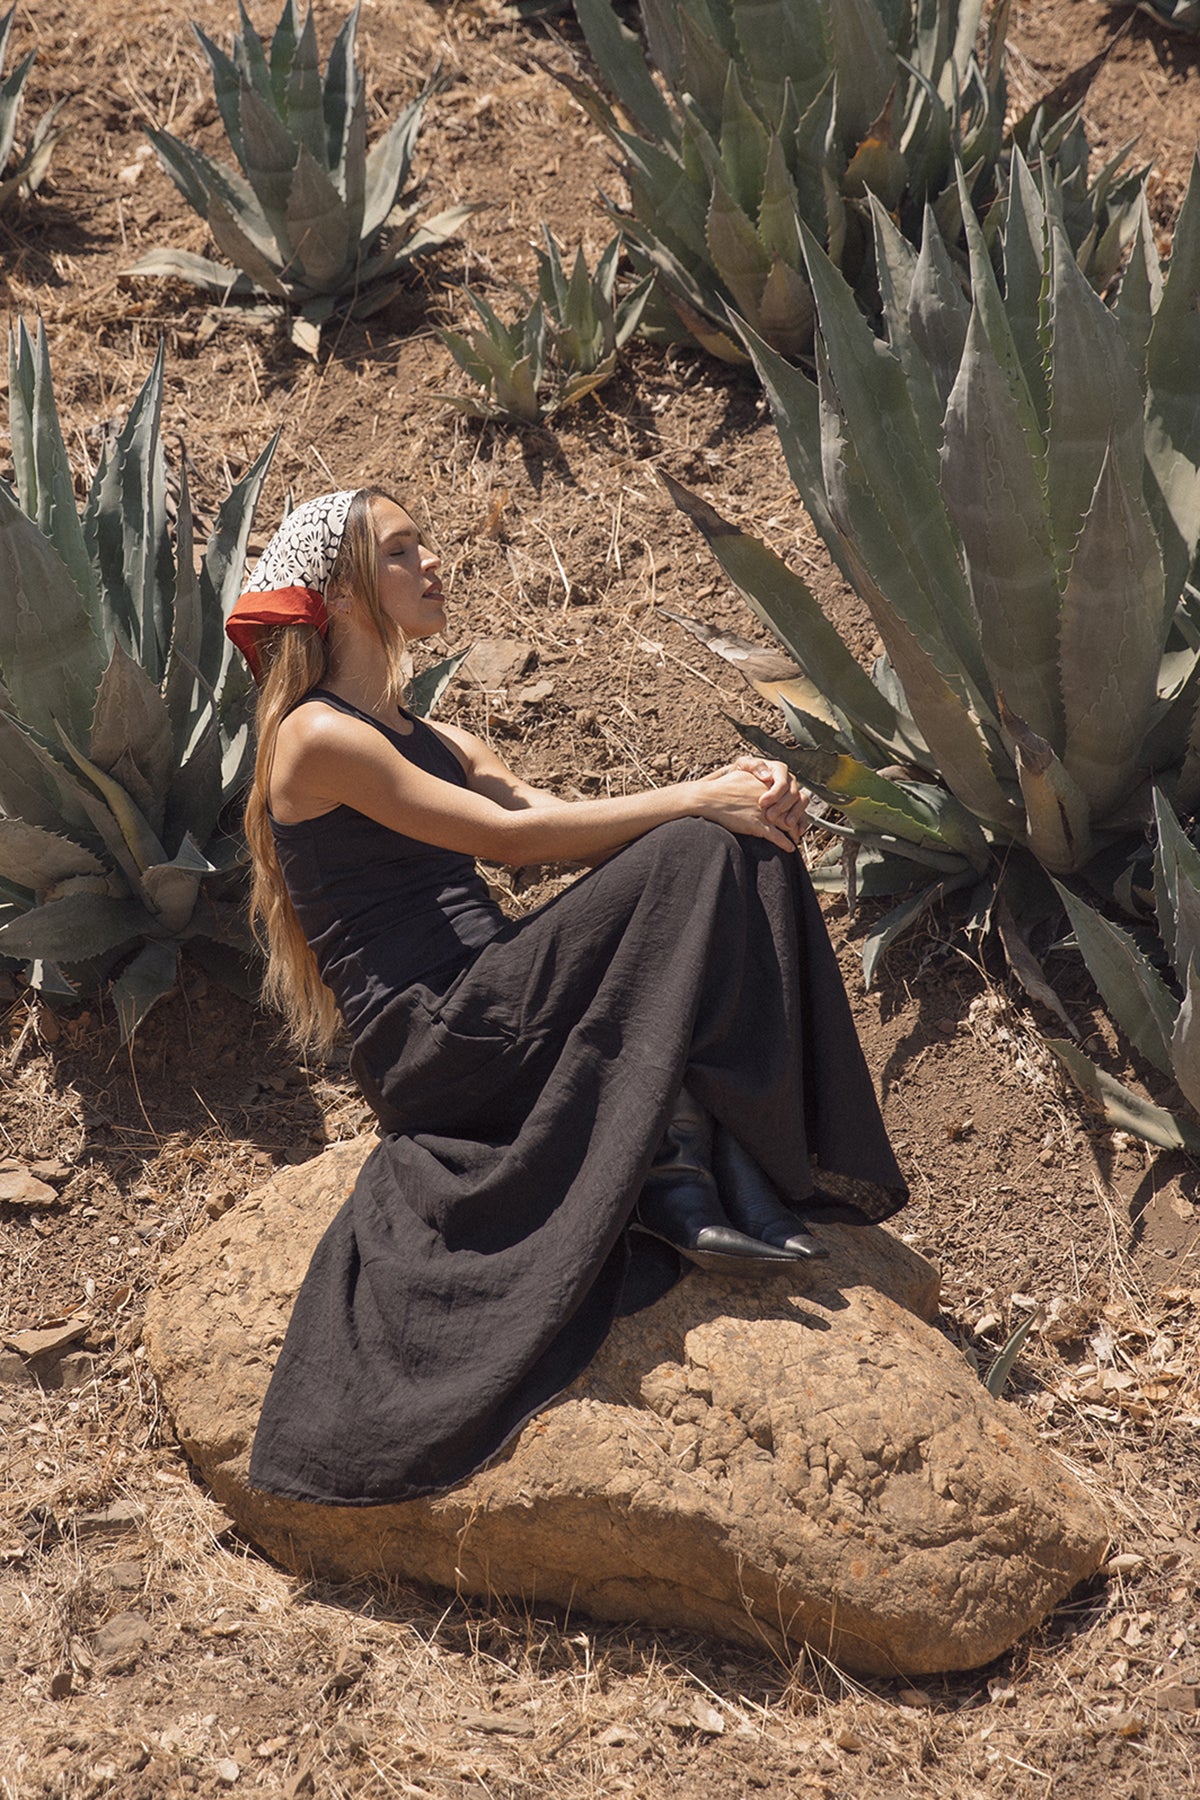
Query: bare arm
[[326, 759]]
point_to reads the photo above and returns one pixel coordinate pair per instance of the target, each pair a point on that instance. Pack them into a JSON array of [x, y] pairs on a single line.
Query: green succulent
[[1176, 15], [314, 220], [125, 713], [744, 123], [564, 346], [1012, 485], [23, 173], [1160, 1015]]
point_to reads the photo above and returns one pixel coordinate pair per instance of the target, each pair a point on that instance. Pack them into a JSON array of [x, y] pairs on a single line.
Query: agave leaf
[[872, 803], [43, 471], [1185, 1039], [783, 40], [878, 166], [340, 98], [171, 888], [1095, 399], [994, 493], [50, 656], [1173, 400], [74, 929], [151, 975], [430, 235], [141, 840], [1121, 1106], [1002, 1368], [303, 108], [180, 683], [938, 315], [203, 181], [895, 266], [221, 580], [986, 296], [900, 475], [241, 249], [36, 858], [744, 145], [318, 225], [865, 65], [125, 526], [1021, 960], [1176, 870], [283, 53], [1025, 274], [1141, 290], [200, 271], [270, 158], [131, 737], [1113, 597], [29, 788], [1135, 994], [426, 688], [227, 91], [618, 56], [779, 207], [388, 163], [1058, 824], [672, 206], [783, 602], [736, 249]]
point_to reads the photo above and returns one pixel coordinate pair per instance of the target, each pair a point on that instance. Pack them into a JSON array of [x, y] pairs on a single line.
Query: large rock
[[799, 1457]]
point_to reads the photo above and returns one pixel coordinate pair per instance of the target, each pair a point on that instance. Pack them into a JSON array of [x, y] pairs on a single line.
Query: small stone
[[495, 662], [18, 1187], [1177, 1696], [848, 1740], [915, 1697], [226, 1771], [15, 1372], [128, 1576], [77, 1370], [121, 1638], [112, 1521]]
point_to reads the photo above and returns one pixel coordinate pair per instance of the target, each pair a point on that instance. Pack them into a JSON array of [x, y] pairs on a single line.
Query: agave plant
[[313, 220], [1160, 1016], [1013, 487], [22, 174], [778, 115], [1177, 15], [564, 347], [124, 711]]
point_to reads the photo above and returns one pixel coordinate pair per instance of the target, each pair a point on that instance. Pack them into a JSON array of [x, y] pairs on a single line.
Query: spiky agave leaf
[[310, 217], [124, 725], [22, 174], [777, 113]]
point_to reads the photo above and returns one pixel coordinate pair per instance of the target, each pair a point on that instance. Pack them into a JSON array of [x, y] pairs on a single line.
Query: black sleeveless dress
[[522, 1072]]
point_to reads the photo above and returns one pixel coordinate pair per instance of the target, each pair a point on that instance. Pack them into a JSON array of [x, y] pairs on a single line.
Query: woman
[[528, 1075]]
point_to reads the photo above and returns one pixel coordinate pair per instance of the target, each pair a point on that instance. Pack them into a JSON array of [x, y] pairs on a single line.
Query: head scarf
[[287, 584]]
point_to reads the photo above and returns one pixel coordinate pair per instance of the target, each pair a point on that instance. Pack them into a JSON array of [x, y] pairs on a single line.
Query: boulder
[[800, 1458]]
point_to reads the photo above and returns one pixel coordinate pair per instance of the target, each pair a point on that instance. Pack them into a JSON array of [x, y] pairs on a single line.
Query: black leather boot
[[751, 1202], [680, 1203]]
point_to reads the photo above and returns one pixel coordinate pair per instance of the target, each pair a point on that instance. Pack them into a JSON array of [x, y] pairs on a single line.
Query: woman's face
[[410, 588]]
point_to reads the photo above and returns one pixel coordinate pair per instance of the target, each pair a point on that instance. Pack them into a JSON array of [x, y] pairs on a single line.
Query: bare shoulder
[[465, 745], [318, 752]]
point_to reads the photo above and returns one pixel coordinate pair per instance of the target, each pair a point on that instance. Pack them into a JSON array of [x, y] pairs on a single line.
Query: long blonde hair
[[294, 659]]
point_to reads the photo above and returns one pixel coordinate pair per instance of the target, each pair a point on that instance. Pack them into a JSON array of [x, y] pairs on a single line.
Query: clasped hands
[[784, 803]]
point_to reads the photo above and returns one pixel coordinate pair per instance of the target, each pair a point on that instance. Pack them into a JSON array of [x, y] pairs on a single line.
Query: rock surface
[[801, 1458]]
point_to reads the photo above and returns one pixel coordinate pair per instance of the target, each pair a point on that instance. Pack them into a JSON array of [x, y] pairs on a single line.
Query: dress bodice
[[382, 910]]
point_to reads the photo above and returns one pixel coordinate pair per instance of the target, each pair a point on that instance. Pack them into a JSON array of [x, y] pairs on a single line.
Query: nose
[[430, 558]]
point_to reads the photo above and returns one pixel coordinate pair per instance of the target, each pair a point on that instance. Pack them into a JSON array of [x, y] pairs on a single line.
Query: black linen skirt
[[484, 1253]]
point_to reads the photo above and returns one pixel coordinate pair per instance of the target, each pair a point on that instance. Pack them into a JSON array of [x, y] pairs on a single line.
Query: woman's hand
[[757, 799], [783, 801]]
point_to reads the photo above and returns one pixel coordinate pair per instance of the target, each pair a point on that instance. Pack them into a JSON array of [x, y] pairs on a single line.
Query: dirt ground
[[144, 1650]]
